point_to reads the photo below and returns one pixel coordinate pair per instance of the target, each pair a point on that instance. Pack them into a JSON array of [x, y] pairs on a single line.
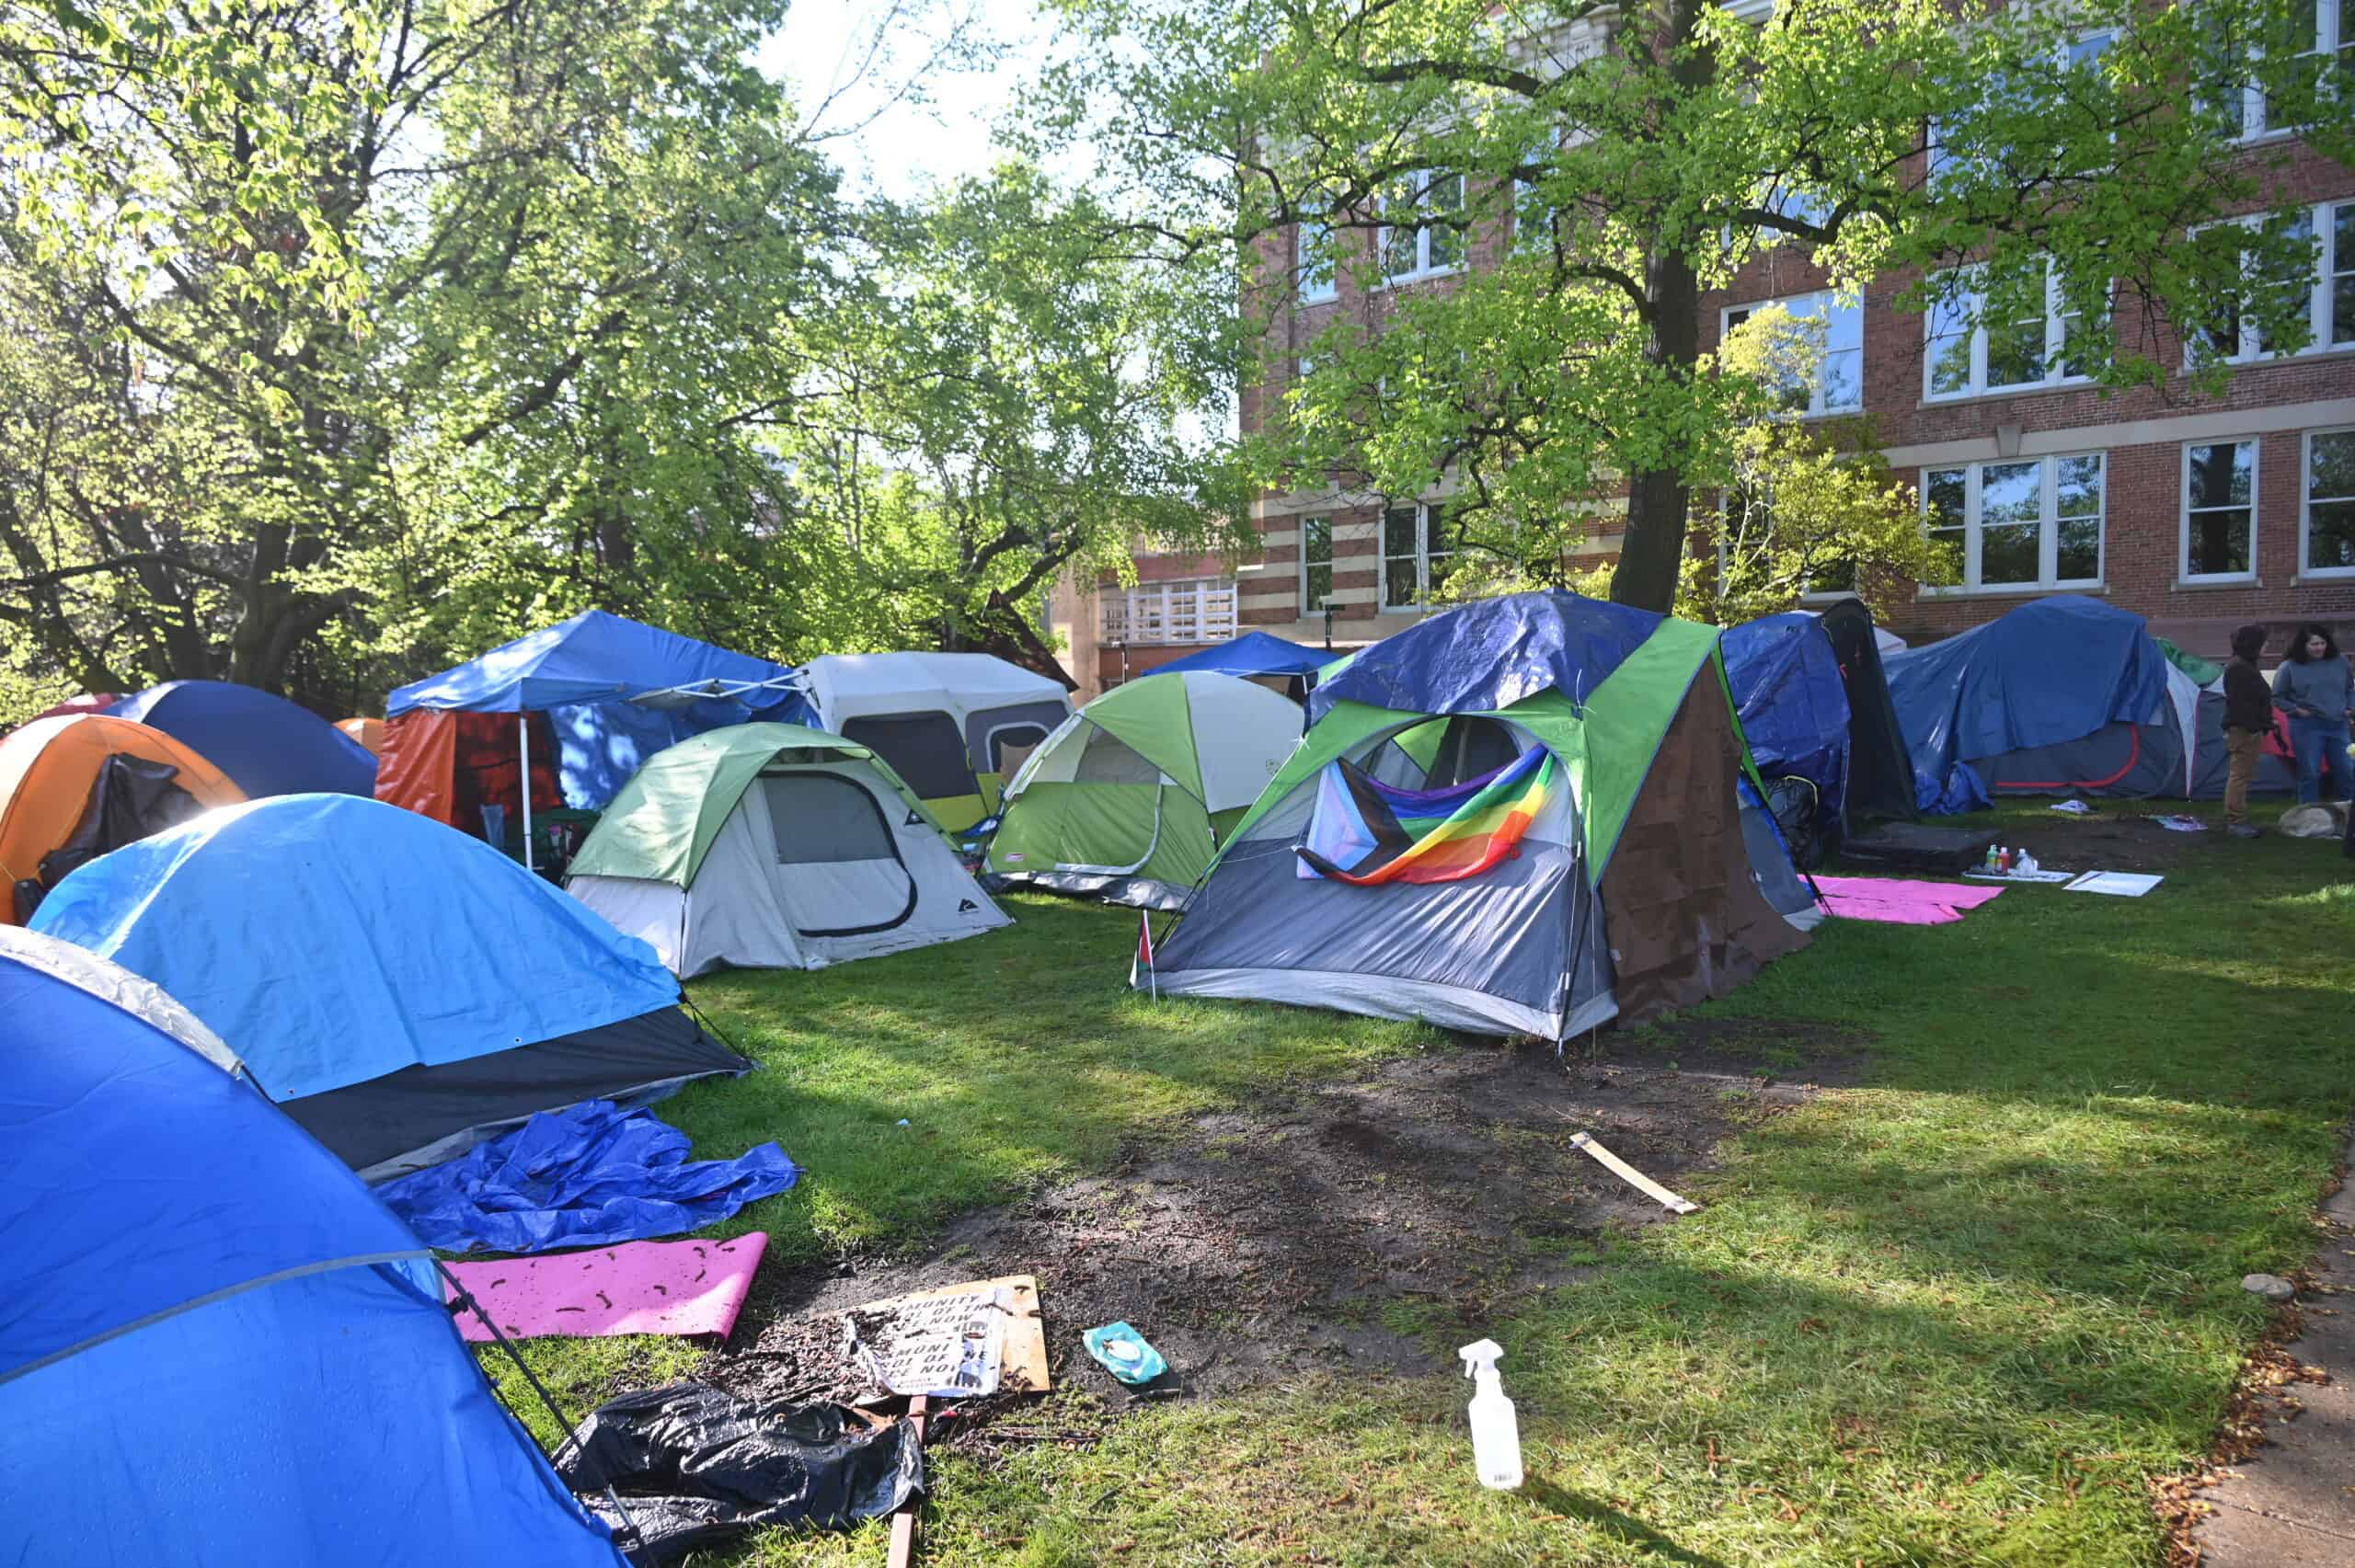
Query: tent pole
[[523, 749]]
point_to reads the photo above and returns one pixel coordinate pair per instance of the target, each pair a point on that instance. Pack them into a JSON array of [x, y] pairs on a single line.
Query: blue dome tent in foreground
[[288, 1389], [266, 744], [401, 990]]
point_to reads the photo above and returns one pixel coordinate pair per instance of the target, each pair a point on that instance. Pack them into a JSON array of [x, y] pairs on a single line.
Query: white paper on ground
[[2119, 884]]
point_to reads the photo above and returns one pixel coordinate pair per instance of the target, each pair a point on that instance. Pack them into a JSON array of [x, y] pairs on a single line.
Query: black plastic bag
[[693, 1465]]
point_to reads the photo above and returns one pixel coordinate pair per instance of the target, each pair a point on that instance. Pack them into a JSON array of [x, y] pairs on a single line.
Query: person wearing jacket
[[2317, 689], [2248, 719]]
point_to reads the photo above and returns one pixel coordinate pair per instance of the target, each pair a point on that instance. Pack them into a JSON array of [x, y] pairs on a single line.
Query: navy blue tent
[[1253, 653], [2063, 694], [216, 1349], [615, 692], [1786, 679], [401, 989], [266, 744]]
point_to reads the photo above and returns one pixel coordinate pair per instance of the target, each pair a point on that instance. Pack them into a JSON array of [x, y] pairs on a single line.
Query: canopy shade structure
[[2063, 696], [76, 786], [266, 744], [952, 726], [1129, 800], [614, 691], [216, 1349], [1620, 874], [401, 990], [775, 846]]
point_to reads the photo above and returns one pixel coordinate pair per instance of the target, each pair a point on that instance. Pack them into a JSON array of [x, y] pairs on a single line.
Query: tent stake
[[523, 749], [904, 1523]]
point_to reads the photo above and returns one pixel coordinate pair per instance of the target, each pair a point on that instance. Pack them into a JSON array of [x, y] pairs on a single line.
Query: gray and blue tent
[[1523, 815]]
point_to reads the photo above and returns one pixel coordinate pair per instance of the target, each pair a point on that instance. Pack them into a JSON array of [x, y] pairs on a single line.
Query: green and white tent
[[1131, 797], [772, 846]]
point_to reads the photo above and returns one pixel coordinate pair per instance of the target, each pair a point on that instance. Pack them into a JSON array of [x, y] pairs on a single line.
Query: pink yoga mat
[[678, 1288], [1893, 901]]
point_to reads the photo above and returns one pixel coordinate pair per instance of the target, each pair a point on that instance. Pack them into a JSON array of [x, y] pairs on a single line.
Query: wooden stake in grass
[[903, 1522], [1634, 1177]]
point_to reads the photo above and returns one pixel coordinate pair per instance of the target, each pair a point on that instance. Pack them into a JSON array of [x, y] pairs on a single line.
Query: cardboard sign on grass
[[957, 1342]]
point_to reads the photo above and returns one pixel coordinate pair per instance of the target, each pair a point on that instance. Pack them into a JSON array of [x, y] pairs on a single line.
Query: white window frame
[[2334, 32], [1817, 406], [1972, 303], [1423, 514], [2322, 227], [2062, 60], [1315, 287], [1424, 183], [2306, 571], [2184, 509], [2048, 529], [1309, 603]]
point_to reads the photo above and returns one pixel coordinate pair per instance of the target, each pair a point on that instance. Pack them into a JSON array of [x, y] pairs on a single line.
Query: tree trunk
[[1652, 553]]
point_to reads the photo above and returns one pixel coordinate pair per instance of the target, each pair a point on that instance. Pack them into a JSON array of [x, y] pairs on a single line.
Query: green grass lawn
[[1957, 1313]]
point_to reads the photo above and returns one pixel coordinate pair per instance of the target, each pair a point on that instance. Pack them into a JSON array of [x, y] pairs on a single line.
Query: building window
[[1414, 557], [2323, 33], [1433, 244], [2219, 511], [2327, 296], [2327, 526], [1839, 384], [1315, 563], [1194, 609], [1313, 257], [2031, 525], [1973, 353]]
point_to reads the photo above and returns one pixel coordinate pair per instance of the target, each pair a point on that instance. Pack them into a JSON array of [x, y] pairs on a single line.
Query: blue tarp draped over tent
[[1253, 653], [584, 672], [1489, 655], [215, 1347], [337, 940], [2050, 671], [266, 744], [588, 1175], [1787, 685]]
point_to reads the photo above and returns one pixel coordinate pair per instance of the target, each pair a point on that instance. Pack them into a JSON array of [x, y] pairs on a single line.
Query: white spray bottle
[[1496, 1434]]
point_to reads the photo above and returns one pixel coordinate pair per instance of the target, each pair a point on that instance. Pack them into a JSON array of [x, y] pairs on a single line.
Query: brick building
[[2198, 512]]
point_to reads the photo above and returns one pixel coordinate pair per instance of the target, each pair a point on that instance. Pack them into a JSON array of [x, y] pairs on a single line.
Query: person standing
[[2248, 719], [2316, 688]]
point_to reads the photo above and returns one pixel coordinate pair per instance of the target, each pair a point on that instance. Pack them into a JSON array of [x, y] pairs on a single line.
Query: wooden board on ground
[[1022, 1352], [1634, 1177]]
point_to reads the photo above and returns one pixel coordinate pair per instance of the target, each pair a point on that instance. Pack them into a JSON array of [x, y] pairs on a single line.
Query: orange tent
[[369, 732], [47, 769]]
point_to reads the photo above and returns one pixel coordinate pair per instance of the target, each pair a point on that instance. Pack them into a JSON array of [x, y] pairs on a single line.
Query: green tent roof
[[661, 824]]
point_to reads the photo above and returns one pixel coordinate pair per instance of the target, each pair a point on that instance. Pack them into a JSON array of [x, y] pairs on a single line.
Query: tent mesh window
[[1110, 759], [1470, 748], [924, 749], [1019, 725], [823, 818]]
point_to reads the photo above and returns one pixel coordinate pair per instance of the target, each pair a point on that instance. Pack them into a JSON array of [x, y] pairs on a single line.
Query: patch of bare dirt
[[2120, 837], [1257, 1243]]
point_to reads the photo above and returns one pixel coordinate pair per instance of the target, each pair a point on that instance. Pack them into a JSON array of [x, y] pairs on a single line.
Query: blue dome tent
[[401, 990], [615, 691], [266, 744], [216, 1349], [1255, 655], [1785, 683]]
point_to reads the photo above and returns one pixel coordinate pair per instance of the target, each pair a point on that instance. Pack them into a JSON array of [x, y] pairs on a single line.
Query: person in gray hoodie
[[2317, 689]]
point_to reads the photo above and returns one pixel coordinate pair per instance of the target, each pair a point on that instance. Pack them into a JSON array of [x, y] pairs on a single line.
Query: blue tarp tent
[[1253, 653], [2065, 687], [1787, 685], [266, 744], [402, 990], [615, 692], [215, 1347], [1489, 655]]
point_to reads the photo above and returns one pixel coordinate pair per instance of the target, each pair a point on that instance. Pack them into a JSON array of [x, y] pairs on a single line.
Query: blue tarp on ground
[[588, 1175], [1787, 685], [266, 744], [1489, 655], [1253, 653], [234, 1375], [584, 672], [335, 940], [2050, 671]]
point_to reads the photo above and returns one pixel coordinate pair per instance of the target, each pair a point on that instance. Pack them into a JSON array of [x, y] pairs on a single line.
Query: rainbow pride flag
[[1366, 833]]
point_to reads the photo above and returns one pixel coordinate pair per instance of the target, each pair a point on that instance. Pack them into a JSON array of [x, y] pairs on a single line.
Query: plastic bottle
[[1496, 1433]]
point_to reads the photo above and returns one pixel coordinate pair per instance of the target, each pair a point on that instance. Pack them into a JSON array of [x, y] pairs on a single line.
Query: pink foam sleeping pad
[[1896, 902], [674, 1287]]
